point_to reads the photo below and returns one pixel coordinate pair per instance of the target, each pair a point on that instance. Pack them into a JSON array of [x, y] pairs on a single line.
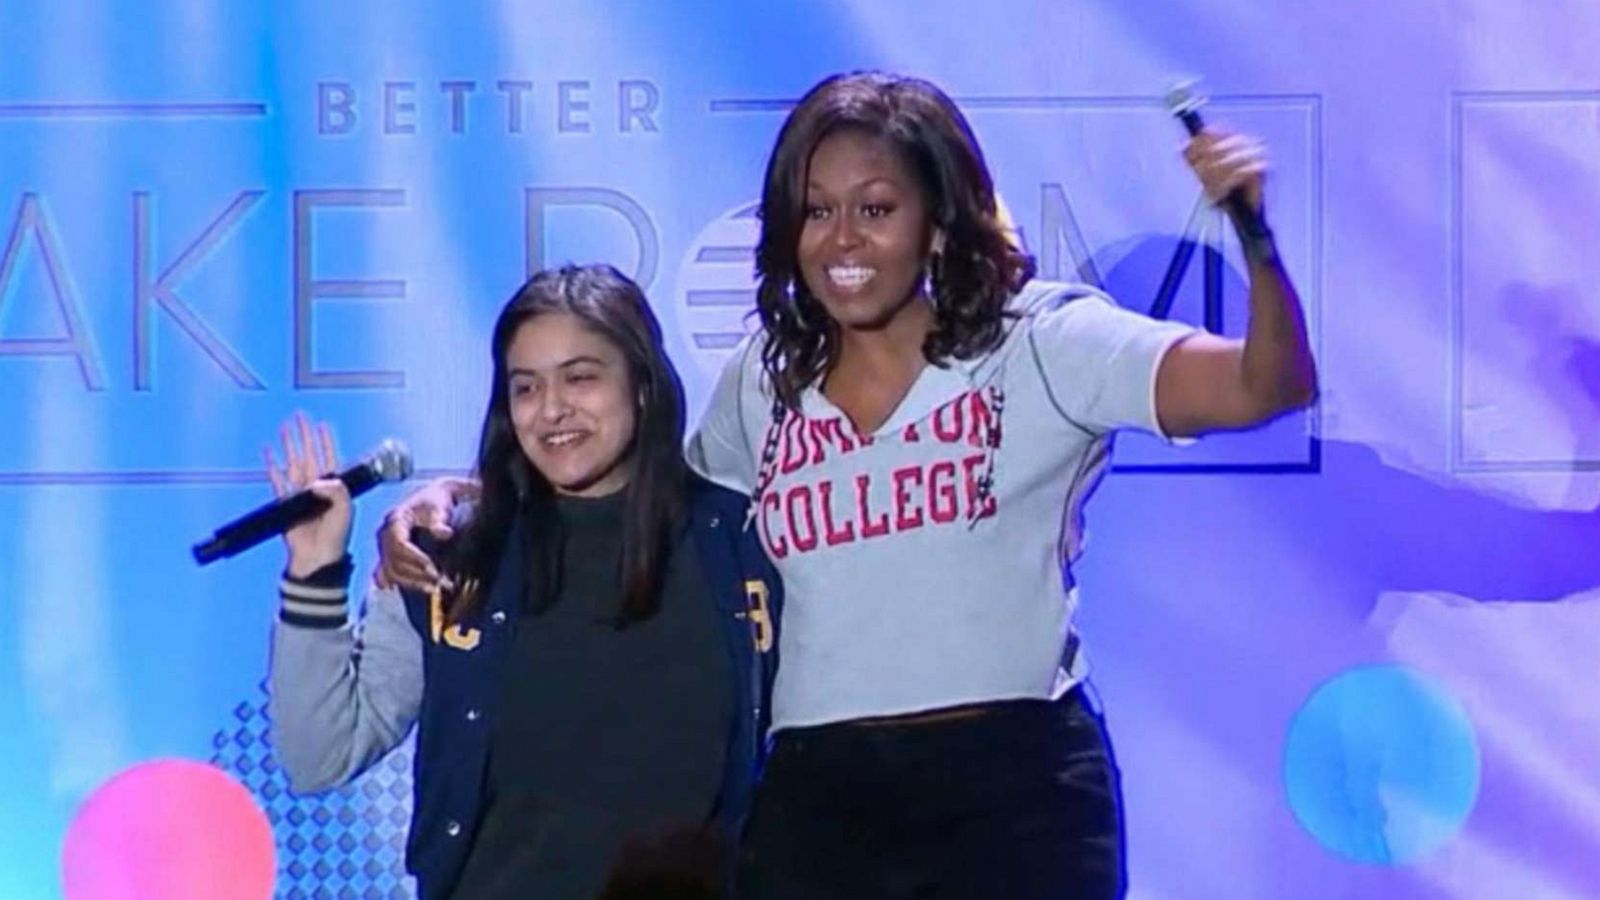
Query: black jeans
[[1021, 801]]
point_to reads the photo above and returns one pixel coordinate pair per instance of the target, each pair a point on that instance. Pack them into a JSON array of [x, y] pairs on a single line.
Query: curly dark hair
[[972, 279]]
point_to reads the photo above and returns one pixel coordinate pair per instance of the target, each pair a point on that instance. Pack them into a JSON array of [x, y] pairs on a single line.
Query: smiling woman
[[866, 232], [584, 403], [589, 682], [919, 423], [870, 183], [571, 405]]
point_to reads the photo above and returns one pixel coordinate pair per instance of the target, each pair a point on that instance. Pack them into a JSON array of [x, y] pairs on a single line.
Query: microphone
[[390, 462], [1254, 235]]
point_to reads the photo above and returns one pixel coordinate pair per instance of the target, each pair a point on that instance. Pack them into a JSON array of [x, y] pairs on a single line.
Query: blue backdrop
[[1346, 655]]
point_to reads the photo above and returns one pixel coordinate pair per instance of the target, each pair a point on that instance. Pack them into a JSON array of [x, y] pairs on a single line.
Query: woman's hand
[[1226, 162], [309, 461], [401, 563]]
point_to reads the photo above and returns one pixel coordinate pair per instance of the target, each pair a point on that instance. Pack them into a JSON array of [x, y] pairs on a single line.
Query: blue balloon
[[1382, 765]]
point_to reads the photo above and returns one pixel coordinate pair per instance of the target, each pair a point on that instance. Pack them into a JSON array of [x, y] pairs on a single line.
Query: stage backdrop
[[1352, 654]]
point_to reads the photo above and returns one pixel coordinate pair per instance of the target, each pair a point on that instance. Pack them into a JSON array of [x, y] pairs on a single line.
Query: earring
[[935, 283]]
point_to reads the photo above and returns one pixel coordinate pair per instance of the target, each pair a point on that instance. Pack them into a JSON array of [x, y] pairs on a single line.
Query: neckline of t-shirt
[[934, 386]]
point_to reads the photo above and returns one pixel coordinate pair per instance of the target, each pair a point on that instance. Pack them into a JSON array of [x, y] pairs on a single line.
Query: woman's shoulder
[[747, 356], [1037, 304], [1041, 297], [742, 394]]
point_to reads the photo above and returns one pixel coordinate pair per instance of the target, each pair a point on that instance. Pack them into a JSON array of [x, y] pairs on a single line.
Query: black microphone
[[1254, 235], [390, 462]]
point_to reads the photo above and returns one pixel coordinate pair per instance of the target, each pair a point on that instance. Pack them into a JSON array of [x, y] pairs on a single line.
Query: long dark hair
[[973, 277], [613, 307]]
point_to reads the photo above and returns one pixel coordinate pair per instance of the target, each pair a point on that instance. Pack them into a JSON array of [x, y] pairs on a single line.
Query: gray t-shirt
[[908, 585]]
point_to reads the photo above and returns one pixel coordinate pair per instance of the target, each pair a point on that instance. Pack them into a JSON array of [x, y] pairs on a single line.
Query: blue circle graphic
[[1381, 765]]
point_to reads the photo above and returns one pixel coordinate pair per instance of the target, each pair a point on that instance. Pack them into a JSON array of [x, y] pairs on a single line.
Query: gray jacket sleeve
[[340, 696]]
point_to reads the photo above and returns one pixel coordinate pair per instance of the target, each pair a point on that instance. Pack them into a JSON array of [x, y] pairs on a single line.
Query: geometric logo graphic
[[717, 287], [348, 842]]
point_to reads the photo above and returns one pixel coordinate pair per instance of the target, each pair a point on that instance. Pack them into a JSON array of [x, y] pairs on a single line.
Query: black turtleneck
[[601, 736]]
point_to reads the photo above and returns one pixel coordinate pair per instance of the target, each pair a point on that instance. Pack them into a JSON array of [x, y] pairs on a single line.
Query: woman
[[918, 423], [587, 683]]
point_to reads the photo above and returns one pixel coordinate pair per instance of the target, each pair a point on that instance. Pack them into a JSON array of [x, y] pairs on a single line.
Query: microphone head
[[1182, 98], [391, 461]]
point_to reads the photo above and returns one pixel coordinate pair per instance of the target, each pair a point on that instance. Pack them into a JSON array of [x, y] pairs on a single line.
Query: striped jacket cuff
[[319, 600]]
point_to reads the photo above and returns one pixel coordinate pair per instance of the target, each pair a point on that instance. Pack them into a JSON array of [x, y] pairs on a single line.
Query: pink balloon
[[169, 829]]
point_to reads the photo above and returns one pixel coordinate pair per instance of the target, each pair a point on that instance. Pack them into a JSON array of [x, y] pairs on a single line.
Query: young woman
[[588, 682], [918, 424]]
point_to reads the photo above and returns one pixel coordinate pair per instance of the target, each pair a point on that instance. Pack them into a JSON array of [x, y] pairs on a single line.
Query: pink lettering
[[906, 516], [794, 444], [971, 467], [870, 528], [942, 500], [947, 420], [808, 541], [776, 545], [831, 533]]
